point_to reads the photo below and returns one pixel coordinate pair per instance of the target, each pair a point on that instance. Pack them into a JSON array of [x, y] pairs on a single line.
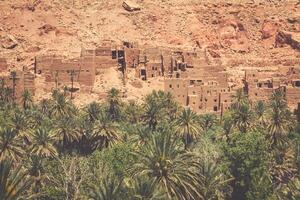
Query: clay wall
[[255, 75], [178, 88], [292, 95], [260, 94], [131, 57], [261, 84], [189, 58], [60, 70], [153, 69], [104, 56], [43, 63]]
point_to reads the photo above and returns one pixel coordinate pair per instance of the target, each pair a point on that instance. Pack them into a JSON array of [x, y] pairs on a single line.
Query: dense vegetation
[[153, 150]]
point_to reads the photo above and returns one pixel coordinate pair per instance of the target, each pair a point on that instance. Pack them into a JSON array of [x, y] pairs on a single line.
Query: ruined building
[[82, 70], [260, 84], [62, 71], [19, 81]]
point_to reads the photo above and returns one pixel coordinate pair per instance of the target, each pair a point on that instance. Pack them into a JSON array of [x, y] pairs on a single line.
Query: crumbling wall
[[24, 80], [292, 95], [131, 57], [59, 70]]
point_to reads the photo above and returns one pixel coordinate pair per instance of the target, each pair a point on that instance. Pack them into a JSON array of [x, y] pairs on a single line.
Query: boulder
[[8, 42], [269, 29], [130, 6]]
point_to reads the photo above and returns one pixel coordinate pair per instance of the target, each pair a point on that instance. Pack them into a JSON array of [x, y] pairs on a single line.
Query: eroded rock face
[[288, 38], [234, 36]]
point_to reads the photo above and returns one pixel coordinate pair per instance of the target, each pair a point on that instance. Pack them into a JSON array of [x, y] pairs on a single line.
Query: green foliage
[[187, 127], [119, 158], [247, 158], [13, 182], [146, 151]]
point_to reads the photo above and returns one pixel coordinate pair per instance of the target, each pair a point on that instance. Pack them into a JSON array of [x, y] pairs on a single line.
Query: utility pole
[[13, 76], [72, 74]]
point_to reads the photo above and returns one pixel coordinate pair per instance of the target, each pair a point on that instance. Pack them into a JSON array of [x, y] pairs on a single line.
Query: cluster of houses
[[188, 74]]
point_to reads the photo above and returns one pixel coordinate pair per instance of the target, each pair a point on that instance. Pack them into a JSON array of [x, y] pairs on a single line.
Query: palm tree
[[10, 145], [114, 101], [93, 110], [154, 109], [21, 124], [136, 134], [280, 119], [144, 189], [290, 191], [35, 169], [212, 180], [280, 122], [171, 106], [282, 166], [227, 125], [6, 95], [42, 143], [186, 127], [240, 98], [133, 112], [45, 106], [60, 106], [109, 188], [5, 92], [87, 142], [261, 113], [105, 131], [207, 121], [65, 131], [242, 117], [13, 183], [167, 167], [26, 99]]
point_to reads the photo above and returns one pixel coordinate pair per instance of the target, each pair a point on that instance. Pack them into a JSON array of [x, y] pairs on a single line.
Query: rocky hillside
[[32, 27]]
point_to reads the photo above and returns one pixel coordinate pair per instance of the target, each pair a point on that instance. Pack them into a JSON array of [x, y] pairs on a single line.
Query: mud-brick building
[[292, 88], [204, 89], [82, 70], [3, 65], [109, 54], [63, 71], [19, 81], [260, 85], [178, 87], [150, 64], [156, 62]]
